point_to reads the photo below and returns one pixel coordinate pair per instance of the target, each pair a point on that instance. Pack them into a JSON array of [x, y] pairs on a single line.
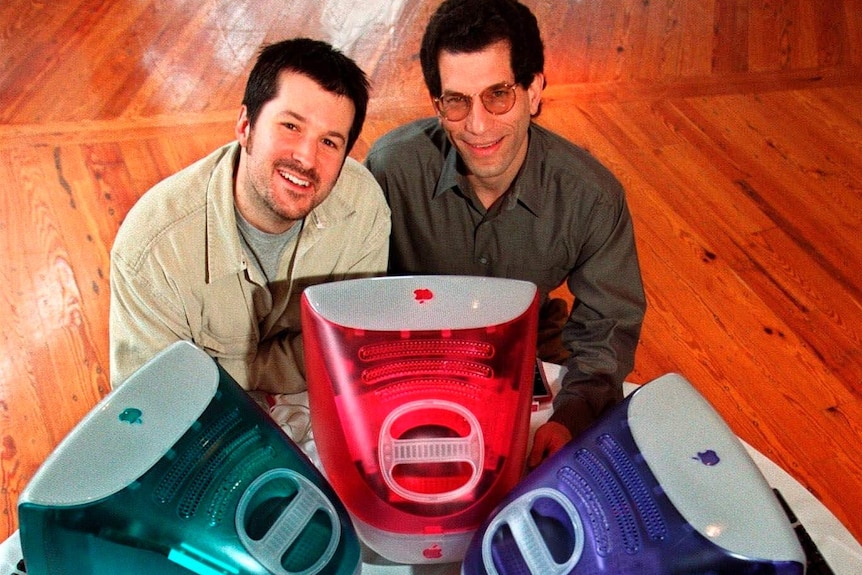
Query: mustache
[[309, 174]]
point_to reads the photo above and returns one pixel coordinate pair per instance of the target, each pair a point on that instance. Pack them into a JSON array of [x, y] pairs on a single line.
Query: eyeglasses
[[497, 99]]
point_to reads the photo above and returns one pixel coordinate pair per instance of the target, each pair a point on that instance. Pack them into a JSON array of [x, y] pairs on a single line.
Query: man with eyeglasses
[[482, 190]]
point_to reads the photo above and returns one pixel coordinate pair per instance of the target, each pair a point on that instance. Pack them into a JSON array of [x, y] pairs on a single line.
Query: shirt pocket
[[546, 278], [227, 327], [227, 346]]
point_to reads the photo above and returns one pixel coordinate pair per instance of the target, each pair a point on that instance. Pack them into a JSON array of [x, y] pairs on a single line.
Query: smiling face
[[492, 147], [293, 155]]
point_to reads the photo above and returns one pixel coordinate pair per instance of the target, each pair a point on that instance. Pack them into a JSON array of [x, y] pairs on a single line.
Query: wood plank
[[711, 256], [734, 126]]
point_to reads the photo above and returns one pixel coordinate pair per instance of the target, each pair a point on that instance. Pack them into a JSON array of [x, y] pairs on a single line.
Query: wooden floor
[[735, 126]]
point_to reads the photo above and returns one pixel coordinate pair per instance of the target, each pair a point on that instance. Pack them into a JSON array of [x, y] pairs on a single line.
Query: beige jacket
[[178, 272]]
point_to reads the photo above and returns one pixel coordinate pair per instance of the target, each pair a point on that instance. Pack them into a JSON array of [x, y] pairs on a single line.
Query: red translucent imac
[[420, 391]]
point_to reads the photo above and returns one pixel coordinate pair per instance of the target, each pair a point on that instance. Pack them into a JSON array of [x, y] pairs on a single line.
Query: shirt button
[[483, 260]]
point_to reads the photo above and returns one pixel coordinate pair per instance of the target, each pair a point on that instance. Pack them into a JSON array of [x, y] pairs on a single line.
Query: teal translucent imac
[[179, 471]]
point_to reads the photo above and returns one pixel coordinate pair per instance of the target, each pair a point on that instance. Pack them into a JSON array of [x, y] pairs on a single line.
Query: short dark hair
[[466, 26], [332, 70]]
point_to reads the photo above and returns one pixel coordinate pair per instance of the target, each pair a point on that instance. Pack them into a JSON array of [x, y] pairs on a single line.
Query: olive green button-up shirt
[[179, 272], [564, 219]]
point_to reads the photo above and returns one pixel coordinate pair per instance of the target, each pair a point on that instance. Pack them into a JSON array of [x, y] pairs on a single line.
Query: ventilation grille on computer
[[219, 507], [452, 388], [425, 348], [447, 368], [181, 468], [614, 494], [228, 443], [424, 368]]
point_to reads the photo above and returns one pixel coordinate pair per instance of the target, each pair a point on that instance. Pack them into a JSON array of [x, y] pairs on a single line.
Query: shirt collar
[[225, 255], [526, 189], [449, 176], [224, 251]]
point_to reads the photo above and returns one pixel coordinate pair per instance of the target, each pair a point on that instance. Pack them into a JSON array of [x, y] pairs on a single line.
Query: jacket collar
[[224, 253]]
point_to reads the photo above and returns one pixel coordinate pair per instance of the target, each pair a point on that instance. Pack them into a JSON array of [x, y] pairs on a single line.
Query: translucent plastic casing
[[420, 390]]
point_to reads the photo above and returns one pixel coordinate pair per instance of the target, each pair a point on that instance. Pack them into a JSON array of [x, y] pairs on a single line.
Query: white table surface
[[840, 549]]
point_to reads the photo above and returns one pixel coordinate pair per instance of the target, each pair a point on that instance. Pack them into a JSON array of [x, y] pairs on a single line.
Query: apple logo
[[708, 457], [423, 294], [433, 552], [132, 416]]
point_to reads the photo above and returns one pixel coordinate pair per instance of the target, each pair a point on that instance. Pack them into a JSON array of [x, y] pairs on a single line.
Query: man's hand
[[549, 438]]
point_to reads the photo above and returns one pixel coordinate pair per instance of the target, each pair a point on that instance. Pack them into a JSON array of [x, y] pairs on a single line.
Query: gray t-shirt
[[264, 248]]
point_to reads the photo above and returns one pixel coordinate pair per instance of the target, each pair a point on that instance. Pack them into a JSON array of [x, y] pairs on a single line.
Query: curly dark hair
[[465, 26]]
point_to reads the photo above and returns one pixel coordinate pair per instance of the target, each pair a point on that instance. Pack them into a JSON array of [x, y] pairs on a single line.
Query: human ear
[[534, 91], [242, 128]]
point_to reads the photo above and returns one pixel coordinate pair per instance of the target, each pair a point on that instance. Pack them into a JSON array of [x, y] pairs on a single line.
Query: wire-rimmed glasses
[[497, 99]]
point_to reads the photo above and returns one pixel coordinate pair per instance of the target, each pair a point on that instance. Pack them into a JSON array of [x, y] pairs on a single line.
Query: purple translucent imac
[[660, 485]]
